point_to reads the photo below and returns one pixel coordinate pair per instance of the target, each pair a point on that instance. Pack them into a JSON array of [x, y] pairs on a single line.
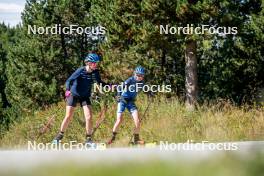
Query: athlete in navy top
[[80, 82], [78, 90]]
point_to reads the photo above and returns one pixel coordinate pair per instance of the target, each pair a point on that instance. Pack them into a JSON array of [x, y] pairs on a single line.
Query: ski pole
[[144, 114], [100, 119], [46, 126]]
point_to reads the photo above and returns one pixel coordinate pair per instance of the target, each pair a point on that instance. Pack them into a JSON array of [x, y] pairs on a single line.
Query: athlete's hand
[[67, 93], [118, 98]]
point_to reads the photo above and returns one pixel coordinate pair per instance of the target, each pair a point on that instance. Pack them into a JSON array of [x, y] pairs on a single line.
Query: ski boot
[[58, 138], [110, 141], [89, 142], [136, 141]]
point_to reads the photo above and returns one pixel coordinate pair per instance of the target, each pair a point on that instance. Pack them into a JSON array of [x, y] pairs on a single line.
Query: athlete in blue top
[[78, 90], [126, 99]]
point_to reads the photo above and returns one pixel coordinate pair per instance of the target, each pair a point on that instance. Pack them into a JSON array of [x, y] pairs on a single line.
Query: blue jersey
[[130, 88], [80, 82]]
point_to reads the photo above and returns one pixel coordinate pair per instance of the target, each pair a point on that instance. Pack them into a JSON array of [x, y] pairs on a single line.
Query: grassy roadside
[[166, 120]]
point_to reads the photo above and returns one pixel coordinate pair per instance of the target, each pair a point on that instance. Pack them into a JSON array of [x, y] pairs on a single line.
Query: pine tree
[[133, 38], [39, 65]]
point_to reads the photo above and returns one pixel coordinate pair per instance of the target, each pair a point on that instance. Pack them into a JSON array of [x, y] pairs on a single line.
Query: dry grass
[[166, 120]]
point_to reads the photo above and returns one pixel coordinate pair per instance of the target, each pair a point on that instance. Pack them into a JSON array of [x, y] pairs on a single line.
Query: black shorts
[[72, 101]]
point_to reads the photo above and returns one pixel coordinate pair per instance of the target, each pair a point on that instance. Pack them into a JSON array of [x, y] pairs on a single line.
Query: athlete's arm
[[74, 76], [149, 93], [98, 78], [125, 84]]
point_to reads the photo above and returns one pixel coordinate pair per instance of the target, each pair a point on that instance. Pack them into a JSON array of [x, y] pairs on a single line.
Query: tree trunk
[[163, 60], [191, 75]]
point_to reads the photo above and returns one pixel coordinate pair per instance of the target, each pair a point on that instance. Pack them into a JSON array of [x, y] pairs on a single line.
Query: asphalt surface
[[25, 159]]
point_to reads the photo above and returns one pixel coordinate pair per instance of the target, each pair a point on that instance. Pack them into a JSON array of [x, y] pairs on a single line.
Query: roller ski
[[89, 143], [58, 138], [136, 141], [112, 139]]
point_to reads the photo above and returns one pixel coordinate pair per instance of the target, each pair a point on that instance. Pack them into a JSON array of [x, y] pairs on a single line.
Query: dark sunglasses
[[138, 75]]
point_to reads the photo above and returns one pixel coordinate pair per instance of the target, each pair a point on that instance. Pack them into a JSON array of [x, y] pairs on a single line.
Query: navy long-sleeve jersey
[[80, 82]]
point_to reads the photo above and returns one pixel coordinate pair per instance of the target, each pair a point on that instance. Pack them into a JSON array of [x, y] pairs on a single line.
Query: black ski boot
[[89, 142], [137, 141], [58, 138]]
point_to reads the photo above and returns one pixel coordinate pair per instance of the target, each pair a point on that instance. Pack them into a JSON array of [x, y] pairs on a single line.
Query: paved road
[[23, 159]]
